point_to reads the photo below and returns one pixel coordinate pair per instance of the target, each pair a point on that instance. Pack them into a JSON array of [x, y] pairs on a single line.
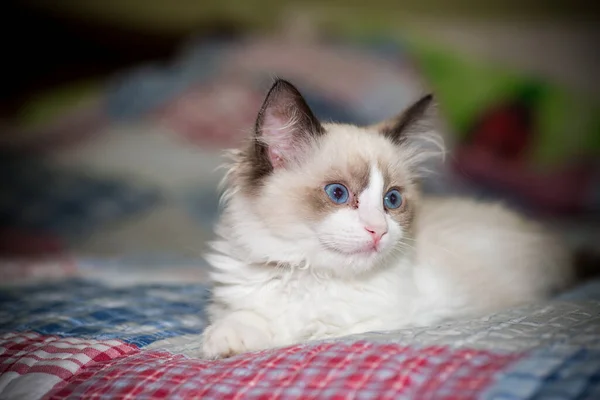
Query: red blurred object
[[16, 243], [505, 131], [495, 155]]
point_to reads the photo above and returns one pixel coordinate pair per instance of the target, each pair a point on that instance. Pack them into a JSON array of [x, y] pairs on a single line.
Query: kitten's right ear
[[416, 118], [285, 126]]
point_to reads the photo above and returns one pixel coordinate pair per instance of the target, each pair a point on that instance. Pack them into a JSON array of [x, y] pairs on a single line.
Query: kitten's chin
[[367, 252], [346, 264]]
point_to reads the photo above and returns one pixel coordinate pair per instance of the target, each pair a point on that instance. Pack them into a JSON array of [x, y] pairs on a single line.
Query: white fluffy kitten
[[324, 233]]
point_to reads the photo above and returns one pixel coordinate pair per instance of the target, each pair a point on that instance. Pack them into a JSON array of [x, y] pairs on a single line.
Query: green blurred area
[[47, 105], [567, 121]]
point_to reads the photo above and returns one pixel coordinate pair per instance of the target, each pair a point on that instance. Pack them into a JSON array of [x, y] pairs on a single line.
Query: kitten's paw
[[234, 335]]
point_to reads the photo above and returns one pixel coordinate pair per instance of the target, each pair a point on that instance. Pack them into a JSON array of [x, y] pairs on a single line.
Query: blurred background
[[114, 113]]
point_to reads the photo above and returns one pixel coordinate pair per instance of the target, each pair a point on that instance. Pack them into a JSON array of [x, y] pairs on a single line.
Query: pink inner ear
[[275, 158], [278, 133]]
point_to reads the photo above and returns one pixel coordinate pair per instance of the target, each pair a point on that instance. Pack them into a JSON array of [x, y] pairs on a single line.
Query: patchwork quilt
[[86, 333], [104, 212]]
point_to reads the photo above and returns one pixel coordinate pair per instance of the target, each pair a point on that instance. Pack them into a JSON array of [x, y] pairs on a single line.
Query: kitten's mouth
[[365, 251]]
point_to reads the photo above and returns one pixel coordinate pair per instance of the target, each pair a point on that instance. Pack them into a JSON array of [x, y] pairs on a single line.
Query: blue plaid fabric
[[551, 373], [139, 315]]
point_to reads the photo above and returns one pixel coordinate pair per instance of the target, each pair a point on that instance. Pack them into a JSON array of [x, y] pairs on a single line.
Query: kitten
[[324, 233]]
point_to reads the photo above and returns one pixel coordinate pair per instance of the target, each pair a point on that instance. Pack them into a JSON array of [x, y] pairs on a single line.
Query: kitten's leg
[[237, 332]]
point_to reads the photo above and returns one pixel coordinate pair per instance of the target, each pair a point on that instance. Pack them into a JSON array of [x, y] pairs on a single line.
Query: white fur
[[459, 271], [282, 279], [292, 305], [370, 207]]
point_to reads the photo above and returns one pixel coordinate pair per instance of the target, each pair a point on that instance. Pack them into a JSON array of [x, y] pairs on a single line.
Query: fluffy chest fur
[[302, 304]]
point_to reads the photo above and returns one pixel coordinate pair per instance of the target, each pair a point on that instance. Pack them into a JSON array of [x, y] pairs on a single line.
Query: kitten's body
[[292, 265]]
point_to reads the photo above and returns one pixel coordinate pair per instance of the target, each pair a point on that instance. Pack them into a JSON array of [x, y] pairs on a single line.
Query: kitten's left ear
[[414, 120], [285, 125]]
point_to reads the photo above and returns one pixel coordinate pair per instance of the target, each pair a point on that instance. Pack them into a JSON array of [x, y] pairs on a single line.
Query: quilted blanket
[[104, 212], [91, 334]]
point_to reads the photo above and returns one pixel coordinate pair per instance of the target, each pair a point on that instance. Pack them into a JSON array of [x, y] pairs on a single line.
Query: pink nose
[[376, 233]]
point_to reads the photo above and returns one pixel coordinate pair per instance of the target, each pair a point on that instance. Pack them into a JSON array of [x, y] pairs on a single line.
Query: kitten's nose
[[376, 233]]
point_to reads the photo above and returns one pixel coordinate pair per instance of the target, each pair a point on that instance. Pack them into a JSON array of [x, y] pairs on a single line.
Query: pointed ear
[[285, 126], [415, 119]]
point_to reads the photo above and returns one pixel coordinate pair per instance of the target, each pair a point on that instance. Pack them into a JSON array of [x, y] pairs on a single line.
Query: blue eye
[[337, 192], [392, 199]]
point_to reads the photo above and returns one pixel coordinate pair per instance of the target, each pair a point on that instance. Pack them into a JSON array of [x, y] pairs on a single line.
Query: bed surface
[[88, 333]]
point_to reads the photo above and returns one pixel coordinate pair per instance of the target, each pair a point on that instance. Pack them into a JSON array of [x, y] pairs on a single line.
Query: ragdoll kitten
[[325, 233]]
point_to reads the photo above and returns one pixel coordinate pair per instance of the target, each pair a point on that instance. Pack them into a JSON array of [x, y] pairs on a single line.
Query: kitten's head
[[339, 198]]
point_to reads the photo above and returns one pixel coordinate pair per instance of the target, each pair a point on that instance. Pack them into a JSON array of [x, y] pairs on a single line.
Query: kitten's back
[[483, 256]]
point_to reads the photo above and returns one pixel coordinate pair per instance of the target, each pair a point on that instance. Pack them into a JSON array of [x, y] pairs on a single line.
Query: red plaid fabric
[[326, 371], [32, 364]]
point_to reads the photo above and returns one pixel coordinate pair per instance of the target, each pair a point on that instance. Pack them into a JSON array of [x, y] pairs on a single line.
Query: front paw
[[234, 335]]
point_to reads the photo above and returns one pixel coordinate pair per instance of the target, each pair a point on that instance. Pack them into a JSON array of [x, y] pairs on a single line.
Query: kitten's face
[[339, 197], [348, 205]]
